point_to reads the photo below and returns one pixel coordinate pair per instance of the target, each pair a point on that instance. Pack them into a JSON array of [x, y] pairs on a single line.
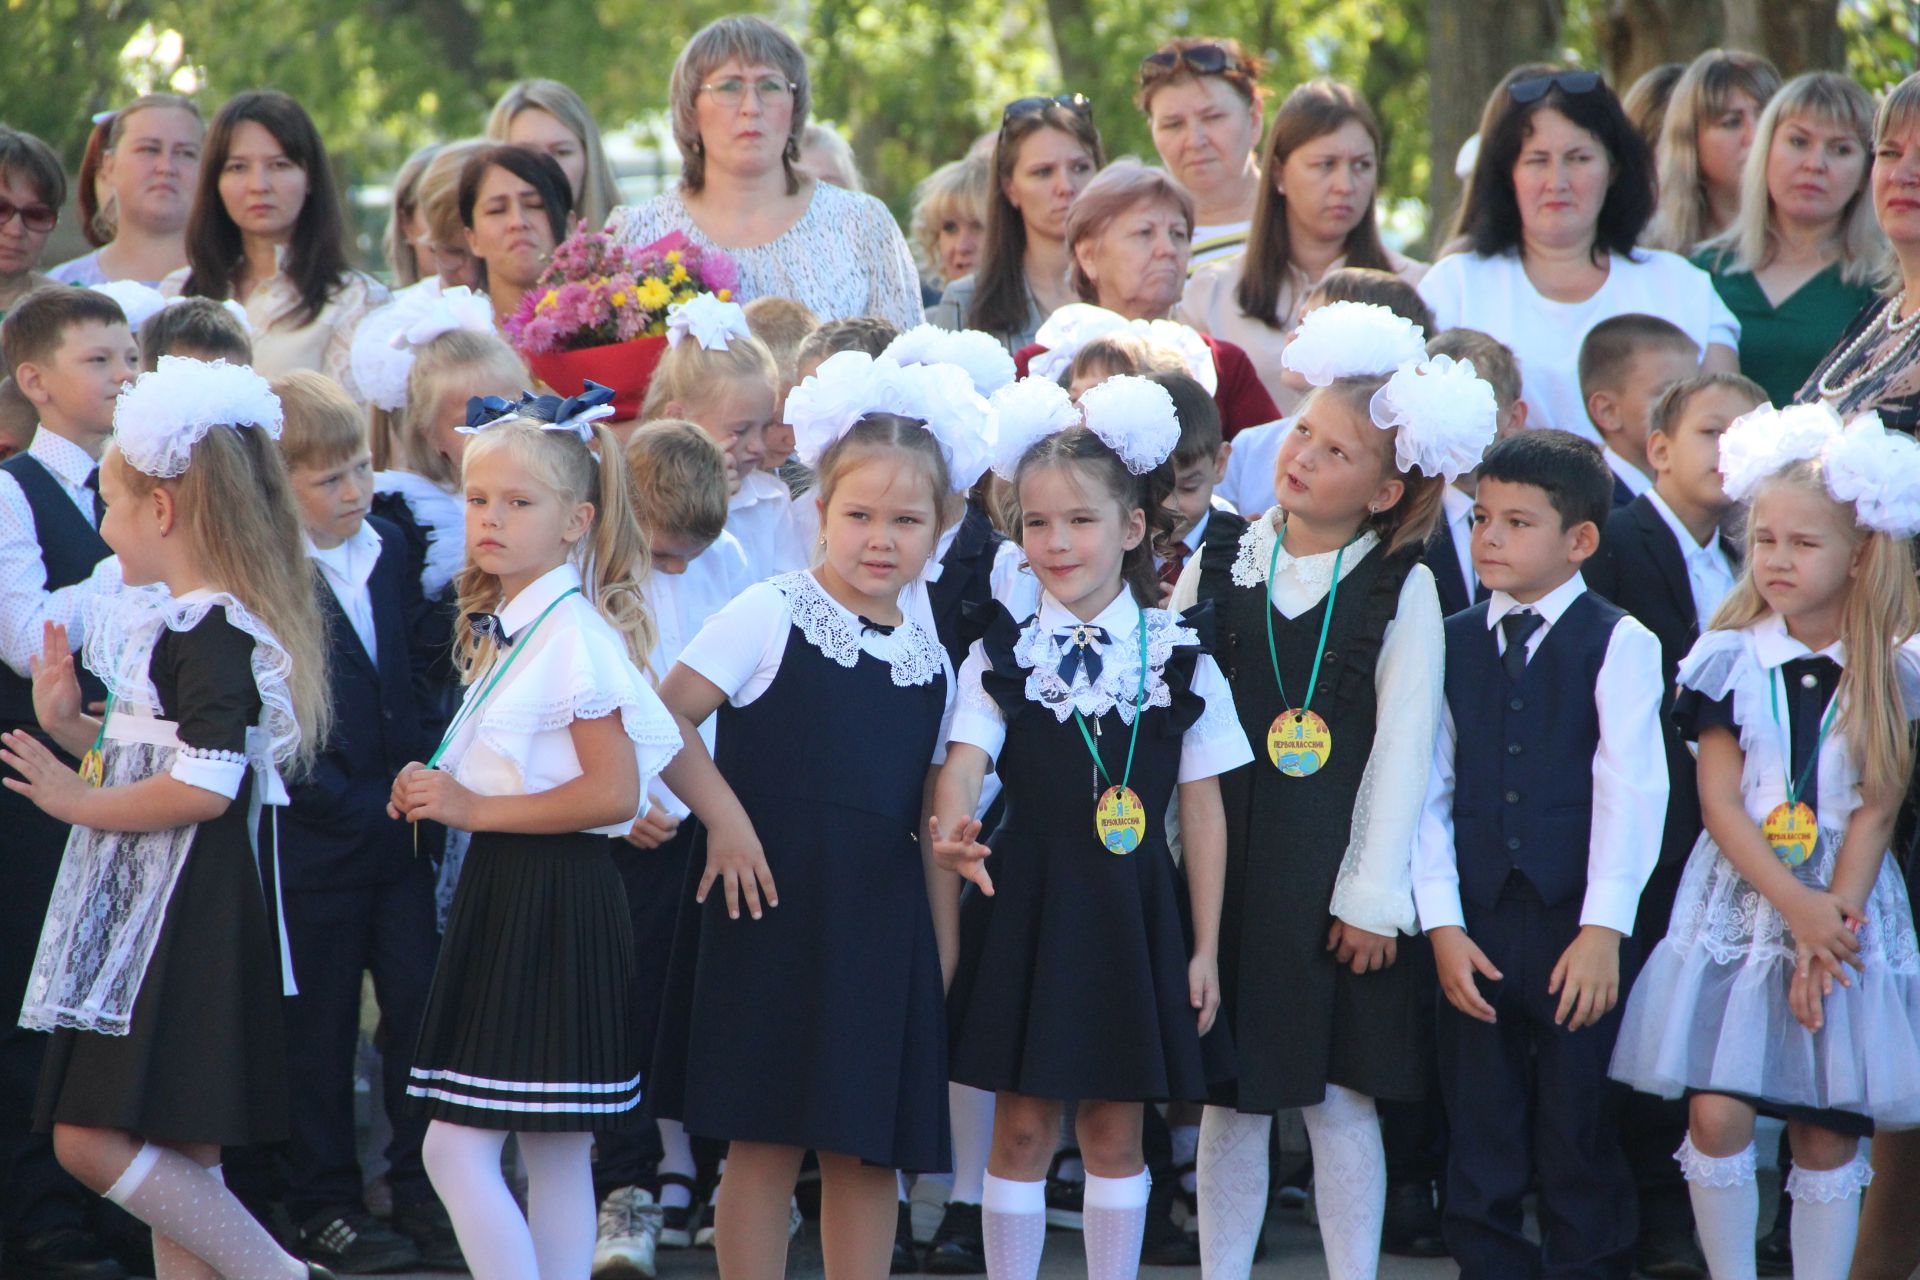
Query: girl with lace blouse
[[1087, 966], [156, 969], [1789, 983], [1328, 619], [804, 1005]]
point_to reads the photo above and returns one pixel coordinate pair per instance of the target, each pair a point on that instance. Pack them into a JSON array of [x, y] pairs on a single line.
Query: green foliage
[[1882, 39]]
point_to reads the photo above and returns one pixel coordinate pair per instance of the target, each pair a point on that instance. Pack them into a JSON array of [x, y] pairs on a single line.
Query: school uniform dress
[[528, 1025], [1543, 815], [1072, 980], [1336, 844], [1709, 1012], [431, 519], [157, 968], [820, 1024]]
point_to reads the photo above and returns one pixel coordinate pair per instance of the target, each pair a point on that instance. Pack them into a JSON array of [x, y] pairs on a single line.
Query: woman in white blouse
[[148, 169], [268, 231], [739, 99], [1561, 193]]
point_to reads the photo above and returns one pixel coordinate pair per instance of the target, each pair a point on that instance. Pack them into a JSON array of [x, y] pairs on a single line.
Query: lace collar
[[913, 656], [1312, 574], [1041, 650]]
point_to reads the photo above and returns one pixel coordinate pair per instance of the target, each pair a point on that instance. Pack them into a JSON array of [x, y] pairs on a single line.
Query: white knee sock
[[1349, 1181], [1115, 1218], [464, 1166], [561, 1210], [1726, 1208], [1826, 1217], [1233, 1190], [1013, 1226], [972, 1111], [678, 1159], [184, 1203]]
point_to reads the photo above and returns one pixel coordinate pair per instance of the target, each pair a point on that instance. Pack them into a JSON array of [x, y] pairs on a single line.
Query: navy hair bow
[[482, 410]]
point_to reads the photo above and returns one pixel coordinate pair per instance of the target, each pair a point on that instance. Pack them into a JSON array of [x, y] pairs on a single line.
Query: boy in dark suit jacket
[[1625, 363], [357, 896]]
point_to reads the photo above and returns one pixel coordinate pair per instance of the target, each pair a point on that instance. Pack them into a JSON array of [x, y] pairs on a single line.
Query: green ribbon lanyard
[[1139, 705], [1796, 786], [100, 737], [467, 709], [1326, 623]]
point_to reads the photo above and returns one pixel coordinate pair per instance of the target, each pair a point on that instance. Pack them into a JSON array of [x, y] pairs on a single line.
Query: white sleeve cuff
[[221, 772], [1611, 905], [978, 729]]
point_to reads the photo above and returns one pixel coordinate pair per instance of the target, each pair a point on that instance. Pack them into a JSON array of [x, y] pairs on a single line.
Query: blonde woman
[[949, 222], [149, 166], [546, 115], [1703, 145], [1804, 254], [407, 243]]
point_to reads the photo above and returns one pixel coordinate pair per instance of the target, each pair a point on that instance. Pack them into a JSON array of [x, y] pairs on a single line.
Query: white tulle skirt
[[1709, 1010]]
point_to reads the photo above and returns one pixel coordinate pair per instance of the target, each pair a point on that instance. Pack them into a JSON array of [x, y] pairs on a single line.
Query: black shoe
[[1670, 1254], [957, 1248], [1163, 1243], [678, 1221], [1412, 1226], [350, 1241], [62, 1253], [1066, 1198], [431, 1231], [905, 1260]]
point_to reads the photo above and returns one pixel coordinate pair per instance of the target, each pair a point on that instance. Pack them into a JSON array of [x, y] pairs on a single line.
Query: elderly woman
[[1202, 98], [1804, 254], [149, 165], [1560, 195], [1704, 140], [514, 209], [546, 115], [949, 222], [1314, 214], [740, 95], [1129, 233]]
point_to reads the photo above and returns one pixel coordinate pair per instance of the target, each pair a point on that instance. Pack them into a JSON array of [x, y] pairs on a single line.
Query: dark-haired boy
[[1625, 363], [70, 352], [1199, 463], [1542, 822]]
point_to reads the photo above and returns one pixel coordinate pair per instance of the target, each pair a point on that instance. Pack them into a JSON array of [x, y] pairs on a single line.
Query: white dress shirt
[[25, 602], [1636, 480], [764, 517], [1629, 796], [680, 604], [345, 569], [1710, 574]]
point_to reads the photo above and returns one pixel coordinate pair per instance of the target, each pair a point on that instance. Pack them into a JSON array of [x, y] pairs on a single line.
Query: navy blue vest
[[70, 547], [1523, 754]]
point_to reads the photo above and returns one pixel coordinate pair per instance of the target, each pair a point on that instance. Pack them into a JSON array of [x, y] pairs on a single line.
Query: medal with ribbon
[[1299, 741], [93, 766], [1119, 819], [1791, 828]]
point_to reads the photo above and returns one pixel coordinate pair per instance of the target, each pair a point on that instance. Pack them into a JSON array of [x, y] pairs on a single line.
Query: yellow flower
[[547, 300], [674, 257], [653, 294], [620, 299], [678, 276], [725, 295]]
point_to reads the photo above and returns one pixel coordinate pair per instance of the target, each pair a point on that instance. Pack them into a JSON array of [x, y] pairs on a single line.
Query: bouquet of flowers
[[599, 311]]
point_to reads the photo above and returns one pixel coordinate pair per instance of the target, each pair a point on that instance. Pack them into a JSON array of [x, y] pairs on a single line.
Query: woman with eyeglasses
[[1560, 194], [1314, 213], [1047, 149], [149, 165], [32, 187], [739, 99], [268, 230], [1202, 98]]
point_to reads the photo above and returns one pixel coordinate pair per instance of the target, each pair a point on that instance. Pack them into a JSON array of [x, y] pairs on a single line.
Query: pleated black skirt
[[529, 1026]]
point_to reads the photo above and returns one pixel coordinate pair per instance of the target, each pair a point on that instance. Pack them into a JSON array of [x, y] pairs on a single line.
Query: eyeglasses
[[1078, 103], [34, 217], [769, 91], [1572, 83], [1202, 59]]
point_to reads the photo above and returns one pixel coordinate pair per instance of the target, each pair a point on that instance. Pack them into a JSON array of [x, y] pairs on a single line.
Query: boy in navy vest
[[1542, 823], [70, 351], [358, 898]]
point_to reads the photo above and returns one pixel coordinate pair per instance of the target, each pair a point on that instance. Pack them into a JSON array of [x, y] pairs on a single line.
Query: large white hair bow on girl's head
[[162, 415], [1768, 440], [849, 385], [980, 354], [1135, 417], [381, 356], [1352, 340], [708, 321], [1878, 471], [1025, 413], [1069, 329]]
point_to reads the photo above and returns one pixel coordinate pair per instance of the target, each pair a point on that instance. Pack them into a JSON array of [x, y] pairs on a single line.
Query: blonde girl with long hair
[[1787, 984], [1704, 141], [156, 970]]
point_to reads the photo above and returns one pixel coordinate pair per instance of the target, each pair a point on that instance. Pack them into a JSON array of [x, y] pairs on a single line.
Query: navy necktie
[[1518, 627]]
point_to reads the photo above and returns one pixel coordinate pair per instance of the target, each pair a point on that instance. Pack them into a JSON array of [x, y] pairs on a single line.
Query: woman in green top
[[1805, 254]]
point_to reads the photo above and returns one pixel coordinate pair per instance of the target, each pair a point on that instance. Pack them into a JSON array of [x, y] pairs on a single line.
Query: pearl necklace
[[1901, 329]]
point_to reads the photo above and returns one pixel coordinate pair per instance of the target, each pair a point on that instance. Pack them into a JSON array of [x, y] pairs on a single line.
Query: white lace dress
[[1709, 1010]]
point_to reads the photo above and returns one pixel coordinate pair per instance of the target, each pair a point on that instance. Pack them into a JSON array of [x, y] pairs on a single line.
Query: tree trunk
[[1469, 47], [1798, 35], [1635, 36], [1072, 27]]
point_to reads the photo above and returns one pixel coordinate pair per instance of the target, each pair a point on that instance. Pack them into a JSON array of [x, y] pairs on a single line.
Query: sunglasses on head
[[35, 217], [1572, 83], [1078, 103], [1202, 59]]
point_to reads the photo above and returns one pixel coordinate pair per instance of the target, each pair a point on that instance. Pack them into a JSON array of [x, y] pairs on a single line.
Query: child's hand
[[1827, 925], [735, 858], [1808, 989], [57, 790], [397, 799], [432, 793], [56, 689], [1587, 978], [1457, 958], [1359, 950], [963, 853], [653, 828], [1203, 988]]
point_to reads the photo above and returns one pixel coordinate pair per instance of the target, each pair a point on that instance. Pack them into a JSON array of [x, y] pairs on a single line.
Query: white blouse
[[845, 257], [573, 666], [681, 604], [1374, 888], [771, 527], [1211, 746]]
